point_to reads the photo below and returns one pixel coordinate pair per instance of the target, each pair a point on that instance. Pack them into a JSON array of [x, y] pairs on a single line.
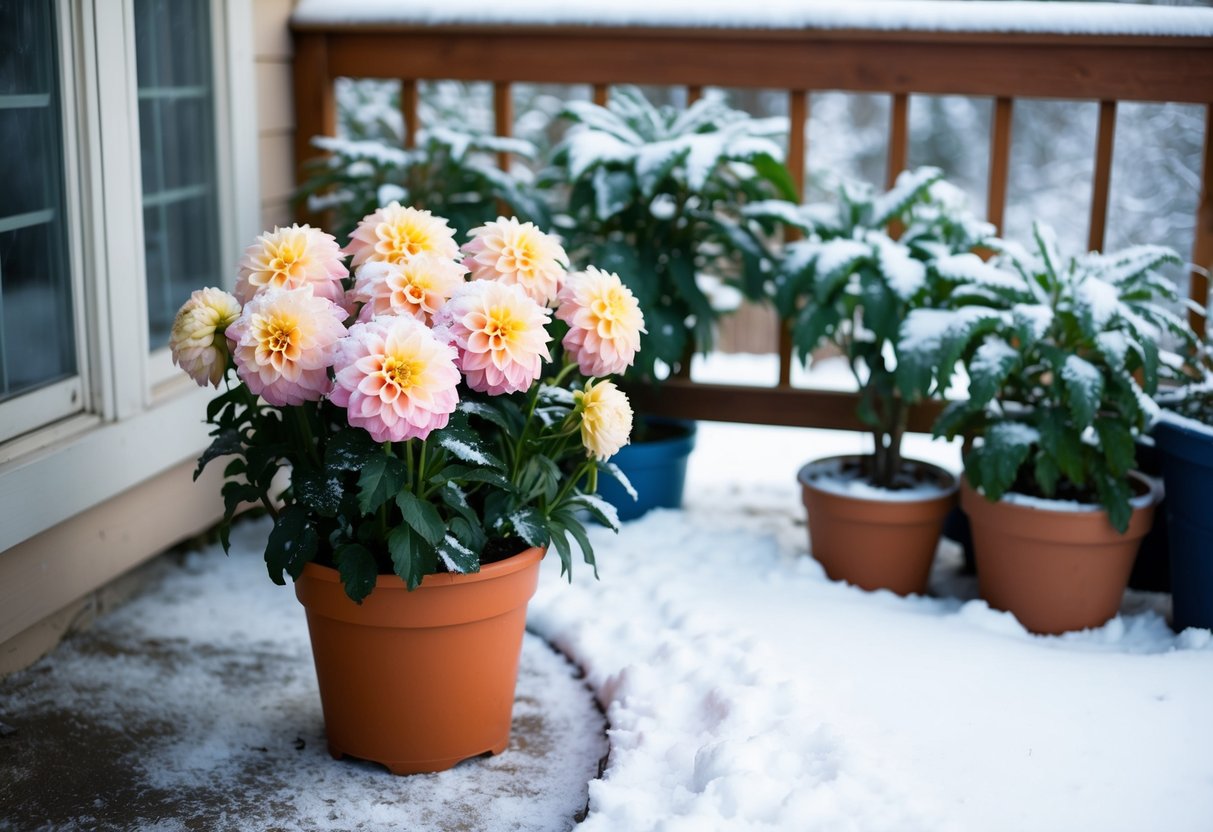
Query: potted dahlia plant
[[436, 446], [1183, 440], [874, 520], [1062, 356], [654, 194]]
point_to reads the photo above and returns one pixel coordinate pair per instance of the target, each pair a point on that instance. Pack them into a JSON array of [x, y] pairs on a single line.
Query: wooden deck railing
[[1107, 68]]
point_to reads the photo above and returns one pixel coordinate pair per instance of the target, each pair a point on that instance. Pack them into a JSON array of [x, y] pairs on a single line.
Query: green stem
[[419, 486], [305, 429]]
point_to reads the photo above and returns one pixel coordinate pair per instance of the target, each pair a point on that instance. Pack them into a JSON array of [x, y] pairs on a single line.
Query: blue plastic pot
[[1186, 455], [657, 470]]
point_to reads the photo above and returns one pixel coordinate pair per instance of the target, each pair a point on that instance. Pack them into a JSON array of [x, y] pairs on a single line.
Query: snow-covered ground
[[743, 690], [747, 691]]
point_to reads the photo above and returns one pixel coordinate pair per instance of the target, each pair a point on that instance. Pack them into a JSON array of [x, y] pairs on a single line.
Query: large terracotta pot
[[1055, 570], [876, 543], [420, 680]]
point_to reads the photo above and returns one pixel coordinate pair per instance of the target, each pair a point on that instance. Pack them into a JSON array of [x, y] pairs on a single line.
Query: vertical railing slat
[[1102, 180], [408, 110], [602, 92], [899, 137], [694, 93], [503, 117], [798, 125], [315, 104], [1000, 162], [1202, 245]]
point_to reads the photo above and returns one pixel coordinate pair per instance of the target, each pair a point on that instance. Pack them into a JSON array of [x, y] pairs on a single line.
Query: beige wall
[[275, 109]]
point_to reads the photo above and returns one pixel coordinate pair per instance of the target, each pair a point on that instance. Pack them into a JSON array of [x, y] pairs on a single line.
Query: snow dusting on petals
[[197, 341], [417, 287], [500, 334], [283, 344], [606, 418], [291, 258], [395, 379], [605, 322], [517, 253], [395, 233]]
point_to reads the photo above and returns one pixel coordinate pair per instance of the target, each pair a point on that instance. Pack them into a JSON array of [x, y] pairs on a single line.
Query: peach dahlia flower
[[501, 335], [197, 341], [395, 379], [604, 321], [417, 287], [291, 258], [283, 344], [606, 418], [518, 253], [395, 233]]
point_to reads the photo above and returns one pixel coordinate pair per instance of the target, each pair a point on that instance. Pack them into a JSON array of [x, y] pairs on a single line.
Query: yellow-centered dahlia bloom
[[283, 344], [197, 341], [291, 258], [517, 253], [418, 287], [500, 333], [395, 233], [604, 321], [395, 379], [606, 418]]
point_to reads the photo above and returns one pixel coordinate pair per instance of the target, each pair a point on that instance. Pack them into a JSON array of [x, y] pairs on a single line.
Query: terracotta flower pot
[[876, 543], [1056, 570], [420, 680]]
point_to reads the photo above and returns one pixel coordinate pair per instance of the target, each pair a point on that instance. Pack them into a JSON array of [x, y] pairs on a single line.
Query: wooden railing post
[[798, 125], [408, 110], [899, 137], [315, 104], [1102, 179], [1000, 162], [602, 92], [503, 117], [1202, 246]]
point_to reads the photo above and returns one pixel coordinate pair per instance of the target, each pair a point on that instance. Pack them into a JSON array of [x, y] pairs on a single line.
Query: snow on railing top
[[1011, 17]]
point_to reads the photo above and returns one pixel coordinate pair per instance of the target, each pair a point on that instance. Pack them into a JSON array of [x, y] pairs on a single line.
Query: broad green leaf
[[1119, 448], [321, 493], [382, 478], [530, 525], [999, 457], [226, 442], [422, 517], [291, 544], [992, 364], [458, 557], [412, 557], [358, 570], [349, 450], [1084, 387]]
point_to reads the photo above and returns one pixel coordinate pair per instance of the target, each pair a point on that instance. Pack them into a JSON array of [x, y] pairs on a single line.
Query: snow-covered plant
[[850, 282], [451, 172], [423, 419], [655, 194], [1062, 355], [1192, 396]]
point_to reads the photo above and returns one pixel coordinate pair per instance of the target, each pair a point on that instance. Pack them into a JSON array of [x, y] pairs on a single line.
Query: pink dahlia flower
[[500, 333], [283, 344], [291, 258], [395, 233], [604, 321], [519, 253], [418, 287], [395, 379], [197, 341]]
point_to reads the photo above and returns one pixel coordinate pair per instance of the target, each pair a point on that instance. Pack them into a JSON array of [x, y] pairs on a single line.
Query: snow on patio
[[743, 691]]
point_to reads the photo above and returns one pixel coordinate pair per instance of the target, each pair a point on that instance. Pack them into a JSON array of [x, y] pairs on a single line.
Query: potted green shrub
[[1183, 438], [436, 448], [451, 172], [1061, 355], [874, 520], [654, 194]]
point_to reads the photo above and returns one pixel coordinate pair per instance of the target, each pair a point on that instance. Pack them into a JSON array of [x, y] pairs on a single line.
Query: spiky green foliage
[[1062, 355], [452, 173], [850, 282], [654, 195]]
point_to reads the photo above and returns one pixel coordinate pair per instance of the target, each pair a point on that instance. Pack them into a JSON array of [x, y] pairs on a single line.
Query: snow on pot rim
[[1185, 424], [1151, 496], [825, 475]]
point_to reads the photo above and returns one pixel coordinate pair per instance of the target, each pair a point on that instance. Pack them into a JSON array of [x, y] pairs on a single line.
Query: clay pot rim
[[488, 572], [802, 476], [1153, 494]]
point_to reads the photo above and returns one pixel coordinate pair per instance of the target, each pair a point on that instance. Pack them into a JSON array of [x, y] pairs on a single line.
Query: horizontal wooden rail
[[900, 63]]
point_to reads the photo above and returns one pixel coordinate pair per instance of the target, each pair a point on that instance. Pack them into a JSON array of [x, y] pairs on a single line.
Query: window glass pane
[[177, 146], [37, 333]]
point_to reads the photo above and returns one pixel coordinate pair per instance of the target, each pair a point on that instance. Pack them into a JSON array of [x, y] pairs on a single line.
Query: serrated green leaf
[[1119, 447], [291, 544], [998, 459], [412, 557], [422, 517], [530, 525], [349, 450], [382, 478], [458, 557], [225, 443], [358, 570], [1084, 387], [321, 493]]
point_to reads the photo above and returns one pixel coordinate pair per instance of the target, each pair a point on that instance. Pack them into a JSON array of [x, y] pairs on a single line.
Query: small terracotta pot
[[876, 543], [420, 680], [1054, 570]]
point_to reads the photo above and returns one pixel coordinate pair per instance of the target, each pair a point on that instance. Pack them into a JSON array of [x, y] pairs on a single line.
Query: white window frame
[[136, 416]]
